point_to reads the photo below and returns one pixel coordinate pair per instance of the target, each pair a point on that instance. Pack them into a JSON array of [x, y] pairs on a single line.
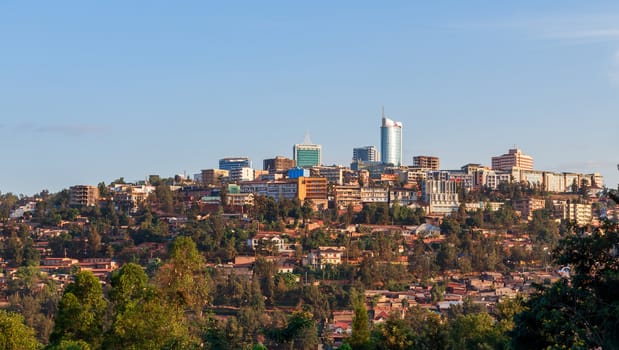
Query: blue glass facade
[[391, 142]]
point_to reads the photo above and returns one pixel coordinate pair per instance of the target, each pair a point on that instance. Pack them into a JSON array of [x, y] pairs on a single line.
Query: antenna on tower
[[382, 110], [308, 140]]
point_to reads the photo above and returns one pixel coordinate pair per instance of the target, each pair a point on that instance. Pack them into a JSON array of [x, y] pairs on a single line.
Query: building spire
[[308, 140]]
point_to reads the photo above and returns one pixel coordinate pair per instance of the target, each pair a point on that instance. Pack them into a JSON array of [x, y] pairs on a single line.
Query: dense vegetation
[[175, 300]]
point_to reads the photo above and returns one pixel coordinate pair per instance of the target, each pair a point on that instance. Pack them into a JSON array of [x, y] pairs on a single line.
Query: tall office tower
[[278, 163], [427, 162], [307, 154], [514, 158], [365, 154], [234, 163], [391, 142]]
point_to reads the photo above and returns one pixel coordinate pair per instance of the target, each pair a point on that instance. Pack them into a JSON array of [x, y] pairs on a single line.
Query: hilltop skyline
[[93, 92]]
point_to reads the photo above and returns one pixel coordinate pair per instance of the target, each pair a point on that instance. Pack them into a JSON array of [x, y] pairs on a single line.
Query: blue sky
[[92, 91]]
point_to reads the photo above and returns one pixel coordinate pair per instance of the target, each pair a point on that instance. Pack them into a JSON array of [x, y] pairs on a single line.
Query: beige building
[[214, 176], [374, 195], [513, 158], [278, 163], [527, 206], [579, 213], [346, 195], [82, 195], [323, 256], [426, 162]]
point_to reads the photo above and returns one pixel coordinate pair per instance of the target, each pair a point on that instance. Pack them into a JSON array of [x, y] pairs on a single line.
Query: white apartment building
[[323, 256], [241, 174], [441, 196], [374, 195]]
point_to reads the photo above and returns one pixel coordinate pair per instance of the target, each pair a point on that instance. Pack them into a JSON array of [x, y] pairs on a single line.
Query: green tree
[[141, 320], [14, 334], [580, 311], [299, 333], [70, 345], [395, 334], [360, 338], [183, 279], [475, 331], [81, 312], [129, 285]]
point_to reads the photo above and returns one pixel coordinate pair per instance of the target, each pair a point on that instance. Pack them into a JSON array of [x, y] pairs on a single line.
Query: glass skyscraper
[[365, 154], [234, 163], [391, 142], [307, 156]]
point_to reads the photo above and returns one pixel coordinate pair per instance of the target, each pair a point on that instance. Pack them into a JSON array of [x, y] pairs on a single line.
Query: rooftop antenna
[[382, 109], [307, 140]]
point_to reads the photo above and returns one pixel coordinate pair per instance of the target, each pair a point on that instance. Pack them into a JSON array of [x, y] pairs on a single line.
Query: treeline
[[171, 309]]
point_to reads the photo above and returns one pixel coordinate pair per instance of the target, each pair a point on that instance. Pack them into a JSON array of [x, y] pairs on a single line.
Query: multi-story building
[[579, 213], [296, 173], [491, 178], [240, 199], [441, 196], [413, 176], [426, 162], [279, 163], [129, 197], [346, 195], [323, 256], [214, 177], [532, 177], [365, 154], [526, 206], [275, 189], [307, 155], [313, 188], [241, 174], [374, 195], [402, 196], [83, 196], [460, 177], [554, 182], [391, 142], [334, 173], [513, 158], [234, 163]]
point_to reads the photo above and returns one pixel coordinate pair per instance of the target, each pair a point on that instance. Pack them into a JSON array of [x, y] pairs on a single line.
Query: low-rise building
[[319, 258]]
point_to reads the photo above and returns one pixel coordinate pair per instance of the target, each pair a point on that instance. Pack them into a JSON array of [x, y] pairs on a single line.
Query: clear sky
[[92, 91]]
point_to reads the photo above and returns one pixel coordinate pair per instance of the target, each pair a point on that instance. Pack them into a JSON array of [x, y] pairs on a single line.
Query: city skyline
[[169, 89]]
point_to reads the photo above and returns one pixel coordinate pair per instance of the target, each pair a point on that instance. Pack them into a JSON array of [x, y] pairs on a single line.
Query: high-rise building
[[391, 142], [514, 158], [426, 162], [365, 154], [278, 163], [307, 155], [234, 163]]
